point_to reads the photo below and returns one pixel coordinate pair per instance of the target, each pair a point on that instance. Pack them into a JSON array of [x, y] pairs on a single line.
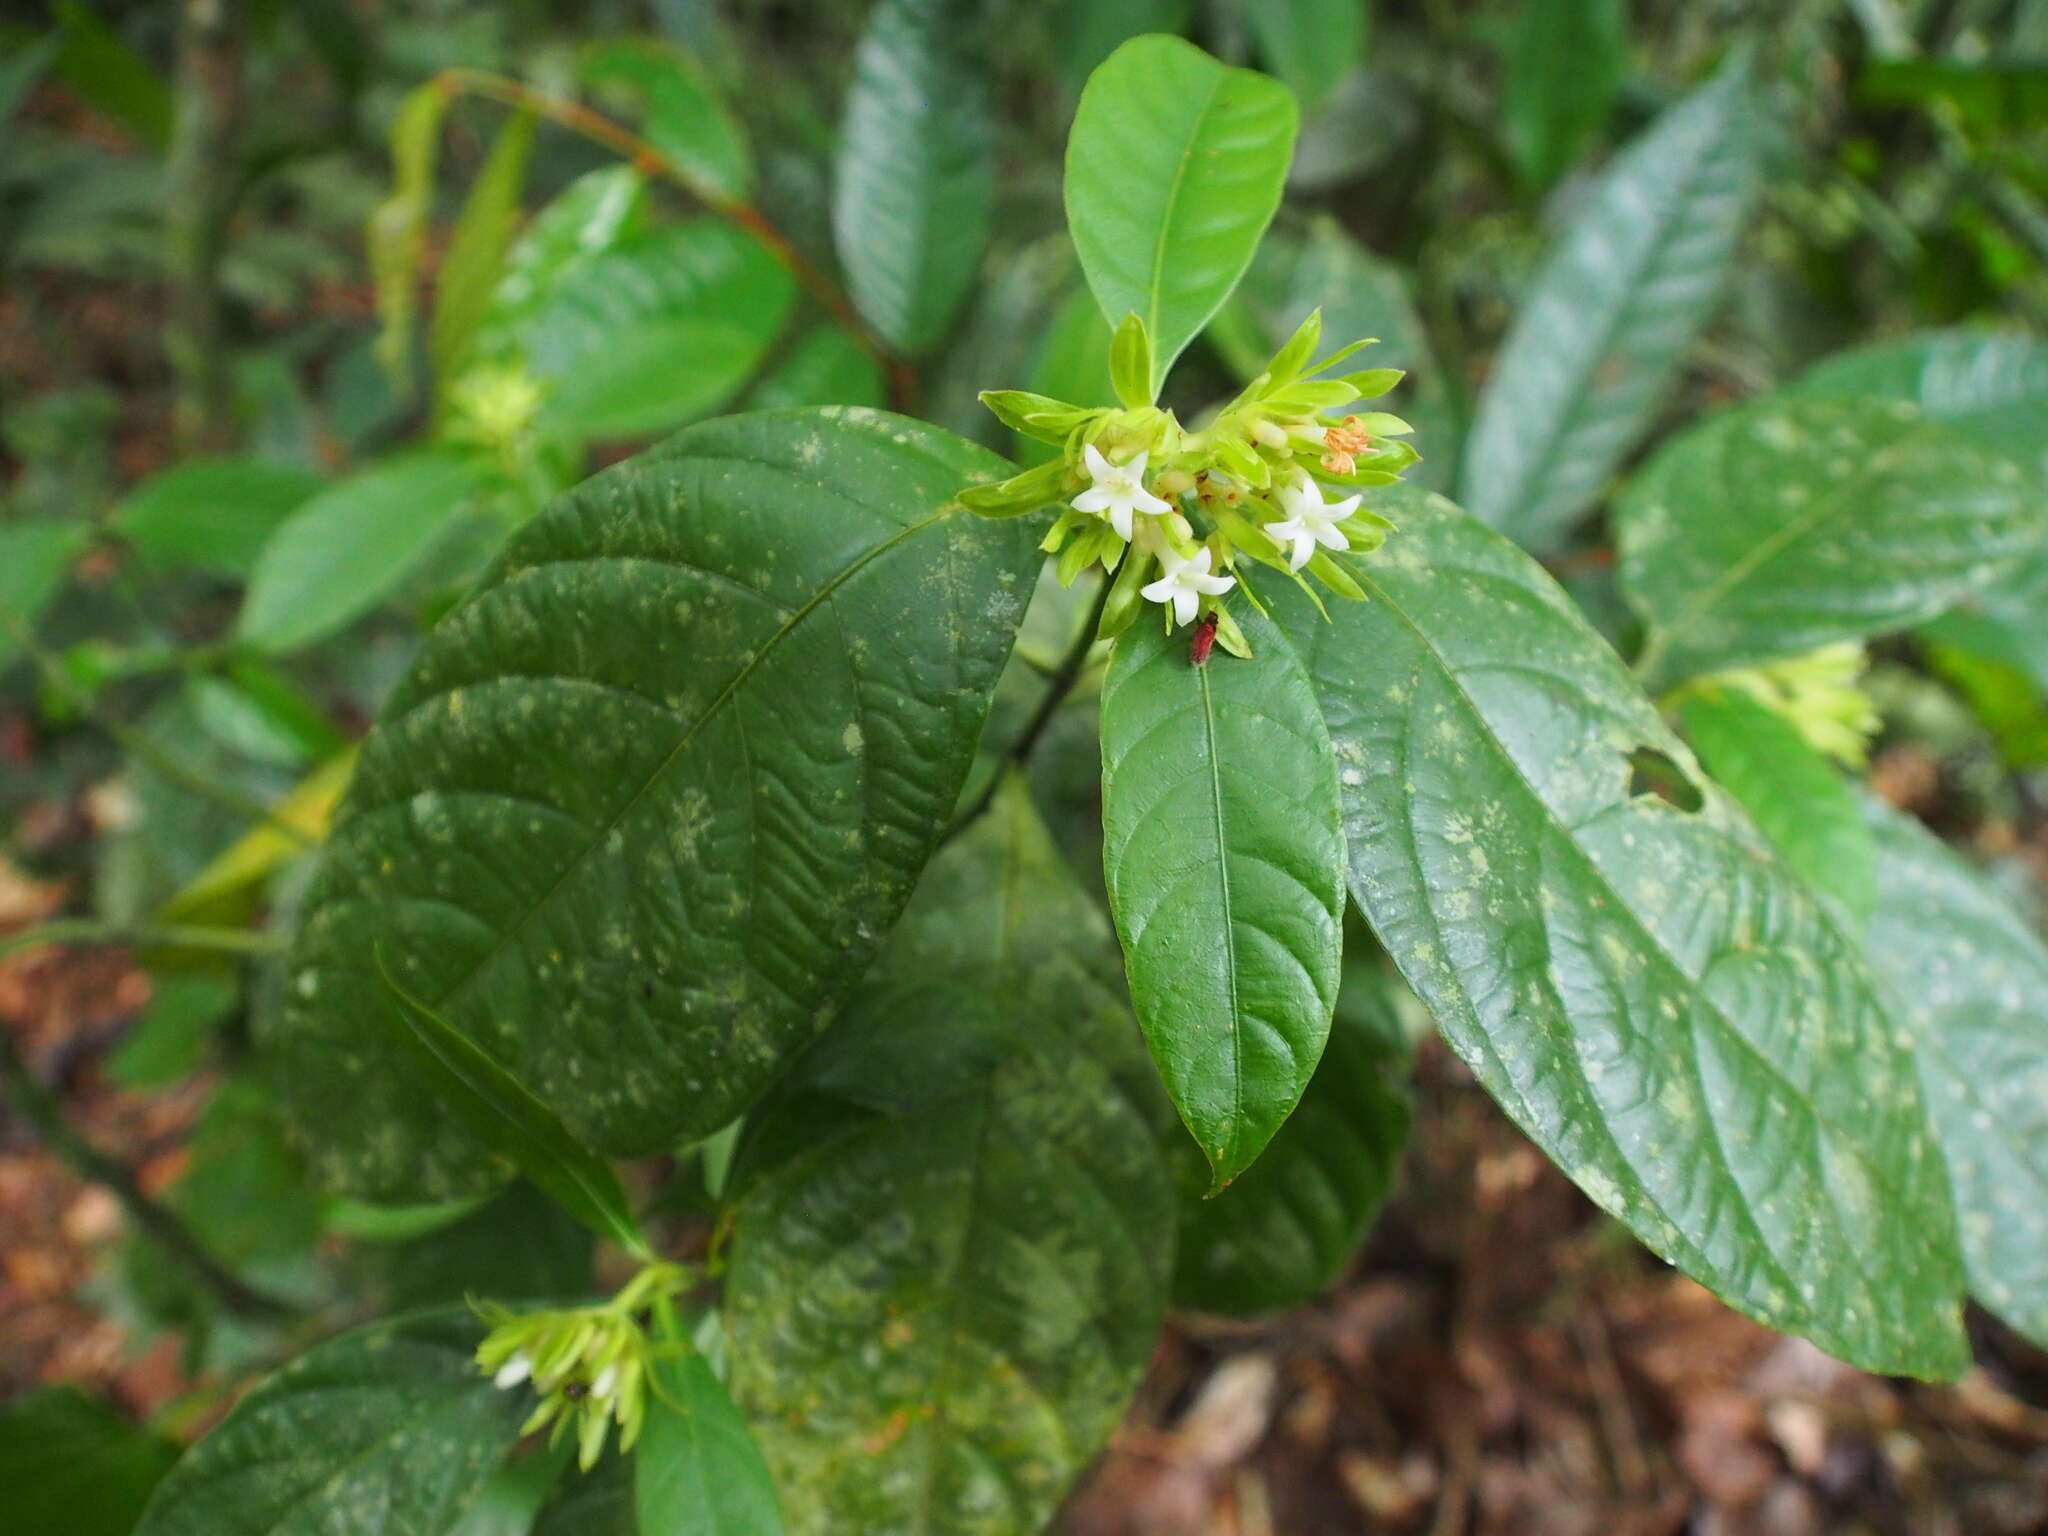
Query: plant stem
[[202, 190], [87, 930], [41, 1108], [755, 224]]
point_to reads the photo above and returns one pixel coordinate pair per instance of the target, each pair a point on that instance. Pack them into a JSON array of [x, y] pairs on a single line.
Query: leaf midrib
[[1229, 921], [1155, 284]]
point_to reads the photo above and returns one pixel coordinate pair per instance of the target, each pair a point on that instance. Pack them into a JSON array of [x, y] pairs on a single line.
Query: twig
[[755, 224], [202, 192]]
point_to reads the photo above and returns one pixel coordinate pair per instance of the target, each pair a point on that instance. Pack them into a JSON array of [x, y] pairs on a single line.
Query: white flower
[[512, 1372], [607, 1379], [1310, 521], [1185, 583], [1118, 491]]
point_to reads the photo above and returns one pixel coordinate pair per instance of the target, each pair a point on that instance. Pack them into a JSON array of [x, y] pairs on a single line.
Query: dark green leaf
[[1224, 852], [212, 515], [351, 547], [1174, 168], [681, 113], [1085, 32], [1995, 97], [1310, 44], [1800, 520], [389, 1428], [72, 1465], [1798, 799], [697, 1471], [508, 1504], [648, 800], [169, 1041], [476, 250], [34, 557], [1648, 993], [916, 170], [1564, 63], [826, 367], [20, 72], [517, 1246], [1630, 283], [98, 63], [1968, 975]]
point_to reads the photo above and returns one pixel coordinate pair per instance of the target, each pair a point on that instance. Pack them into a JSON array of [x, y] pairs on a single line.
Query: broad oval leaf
[[1223, 846], [1968, 976], [1614, 309], [697, 1471], [1798, 521], [647, 802], [1174, 167], [1649, 994], [916, 170], [390, 1427], [351, 547], [212, 515]]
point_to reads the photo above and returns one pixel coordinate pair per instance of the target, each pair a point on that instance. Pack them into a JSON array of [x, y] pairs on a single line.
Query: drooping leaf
[[1284, 1231], [71, 1464], [697, 1470], [657, 331], [1224, 852], [390, 1427], [1174, 167], [476, 250], [1631, 281], [1649, 994], [826, 367], [1310, 44], [398, 226], [1564, 61], [1968, 975], [681, 113], [34, 556], [212, 515], [1797, 521], [1797, 798], [916, 171], [351, 547], [649, 799]]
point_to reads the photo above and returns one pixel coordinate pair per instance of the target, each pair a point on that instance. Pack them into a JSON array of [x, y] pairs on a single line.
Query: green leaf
[[1130, 363], [1631, 281], [519, 1245], [657, 331], [71, 1464], [1085, 32], [2001, 621], [1073, 366], [826, 367], [1797, 521], [34, 558], [388, 1428], [169, 1041], [952, 1247], [351, 547], [212, 515], [1310, 44], [1174, 167], [98, 63], [681, 112], [1798, 799], [1993, 96], [916, 171], [721, 699], [1564, 61], [1968, 974], [595, 213], [1224, 852], [1281, 1234], [476, 251], [19, 73], [1649, 994], [397, 230], [697, 1471], [509, 1503]]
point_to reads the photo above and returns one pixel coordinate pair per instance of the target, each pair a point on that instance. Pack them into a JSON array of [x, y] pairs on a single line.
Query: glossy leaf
[[680, 111], [1968, 975], [1649, 994], [1224, 853], [71, 1464], [1795, 522], [915, 176], [1310, 44], [1797, 798], [593, 214], [697, 1471], [388, 1428], [826, 367], [577, 832], [1174, 167], [1286, 1230], [1632, 280], [351, 547], [476, 249], [1564, 61], [212, 515], [657, 331]]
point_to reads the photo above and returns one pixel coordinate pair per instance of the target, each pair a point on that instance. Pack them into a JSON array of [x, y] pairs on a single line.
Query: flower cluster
[[589, 1365], [1817, 693], [1172, 515]]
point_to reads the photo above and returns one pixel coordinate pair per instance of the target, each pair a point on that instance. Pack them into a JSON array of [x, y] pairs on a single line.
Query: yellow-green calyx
[[1170, 513], [1818, 694], [588, 1365]]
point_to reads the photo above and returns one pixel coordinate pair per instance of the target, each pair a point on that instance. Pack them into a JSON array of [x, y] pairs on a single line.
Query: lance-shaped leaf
[[1614, 309], [1174, 167], [697, 1471], [1798, 521], [388, 1428], [1648, 993], [1224, 851], [594, 214], [1969, 976], [647, 801], [212, 515], [955, 1229], [916, 170], [476, 250]]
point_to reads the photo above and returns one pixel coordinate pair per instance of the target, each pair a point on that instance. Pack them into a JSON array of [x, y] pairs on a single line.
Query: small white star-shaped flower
[[1186, 582], [512, 1372], [1118, 491], [1310, 521]]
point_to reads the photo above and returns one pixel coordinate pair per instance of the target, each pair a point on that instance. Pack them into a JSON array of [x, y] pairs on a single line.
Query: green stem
[[202, 187], [86, 930]]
